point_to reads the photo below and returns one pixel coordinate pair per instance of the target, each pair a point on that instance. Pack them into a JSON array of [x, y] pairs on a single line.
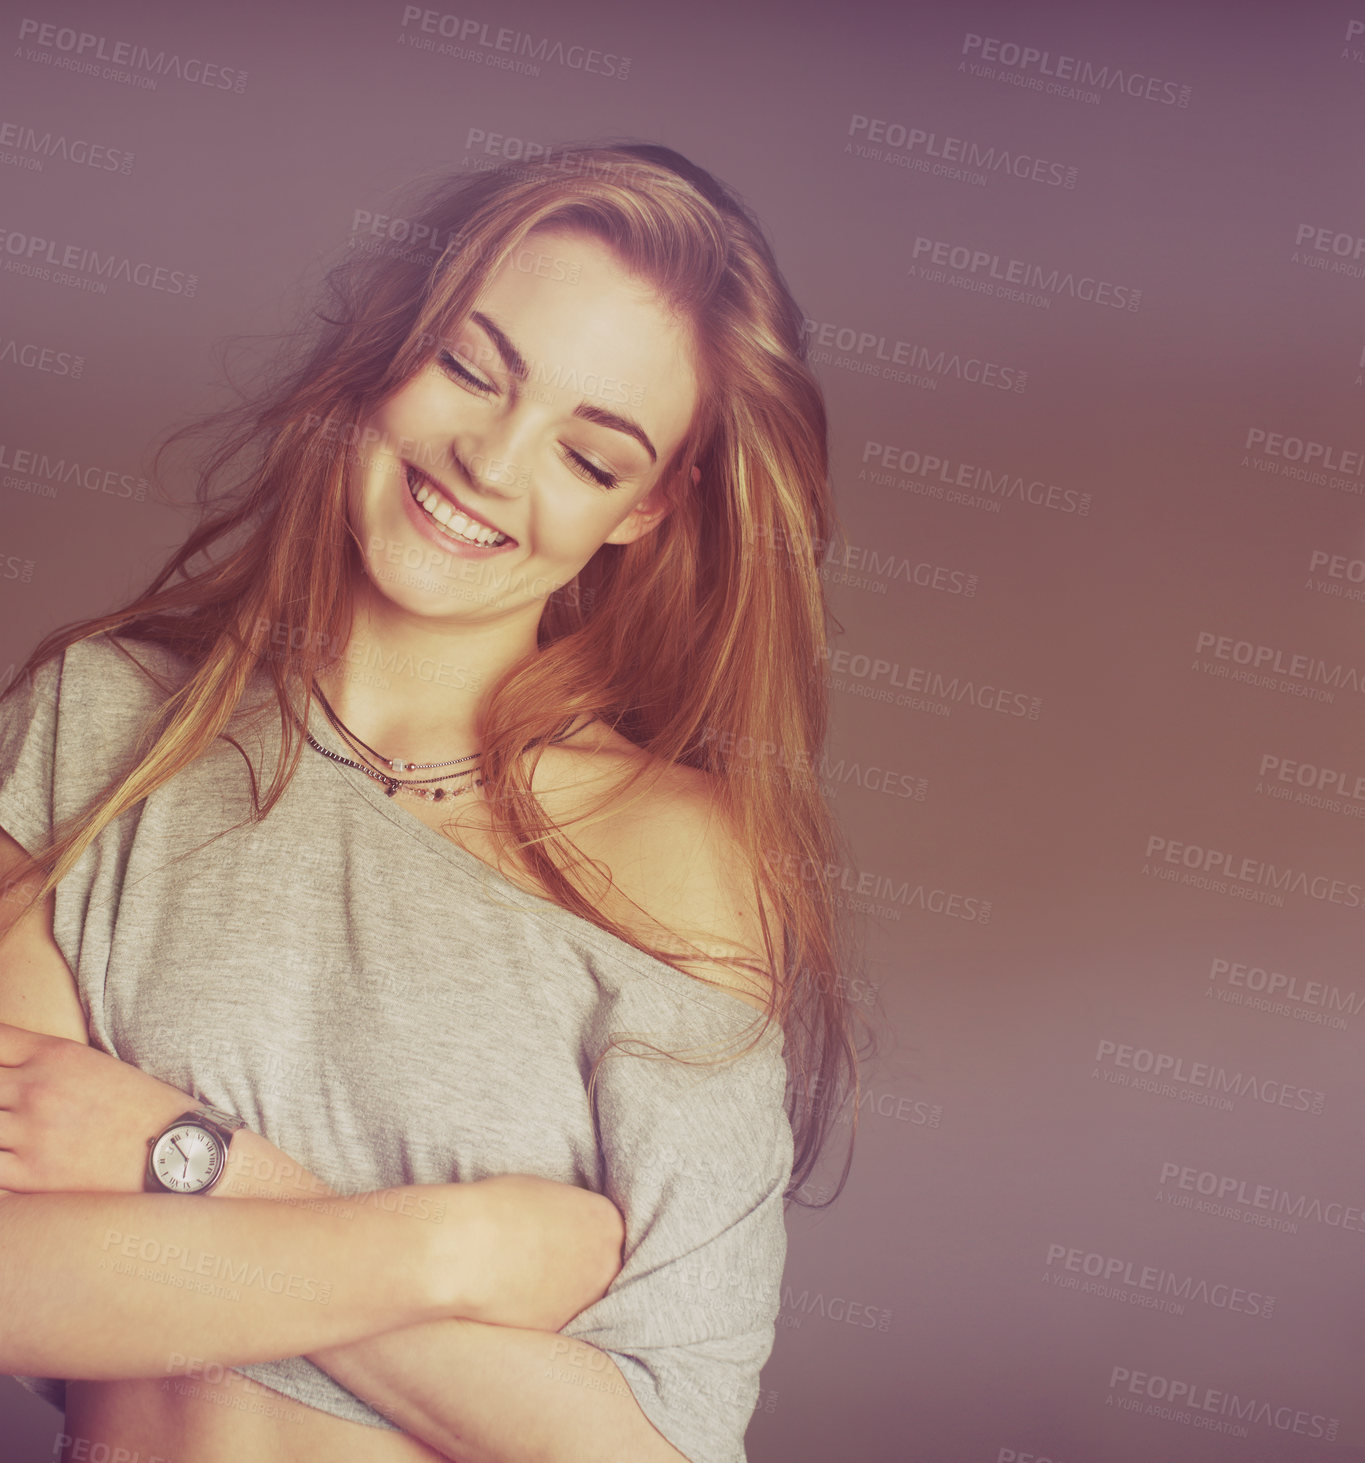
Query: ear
[[646, 515]]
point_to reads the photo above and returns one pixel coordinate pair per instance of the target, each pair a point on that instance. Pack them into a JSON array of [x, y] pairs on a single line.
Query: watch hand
[[175, 1143]]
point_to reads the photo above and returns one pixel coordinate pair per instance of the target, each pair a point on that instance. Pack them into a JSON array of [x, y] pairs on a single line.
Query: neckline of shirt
[[474, 867], [657, 971]]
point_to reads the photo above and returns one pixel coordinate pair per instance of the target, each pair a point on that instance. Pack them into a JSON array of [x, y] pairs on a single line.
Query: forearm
[[477, 1392], [499, 1394], [86, 1278], [256, 1169], [109, 1286]]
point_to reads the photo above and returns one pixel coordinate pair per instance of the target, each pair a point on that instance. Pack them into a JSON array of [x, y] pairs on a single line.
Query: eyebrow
[[516, 364], [511, 357]]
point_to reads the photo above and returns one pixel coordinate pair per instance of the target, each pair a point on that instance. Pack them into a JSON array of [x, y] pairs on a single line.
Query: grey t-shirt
[[387, 1009]]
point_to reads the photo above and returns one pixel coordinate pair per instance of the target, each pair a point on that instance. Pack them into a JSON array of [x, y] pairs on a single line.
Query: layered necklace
[[418, 787]]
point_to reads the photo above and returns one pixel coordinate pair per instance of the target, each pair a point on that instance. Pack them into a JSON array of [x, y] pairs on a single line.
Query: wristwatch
[[189, 1156]]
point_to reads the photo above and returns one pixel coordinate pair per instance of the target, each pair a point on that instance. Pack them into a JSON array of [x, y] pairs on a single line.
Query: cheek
[[572, 537], [369, 497], [581, 533], [405, 416]]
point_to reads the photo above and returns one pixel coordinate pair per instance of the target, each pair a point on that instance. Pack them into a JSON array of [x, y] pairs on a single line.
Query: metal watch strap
[[225, 1120]]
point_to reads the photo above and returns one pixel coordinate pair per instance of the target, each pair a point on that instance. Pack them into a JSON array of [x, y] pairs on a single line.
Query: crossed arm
[[447, 1325], [476, 1391], [398, 1327]]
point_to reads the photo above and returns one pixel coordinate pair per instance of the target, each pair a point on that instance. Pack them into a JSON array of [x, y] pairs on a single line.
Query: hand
[[540, 1251], [76, 1119]]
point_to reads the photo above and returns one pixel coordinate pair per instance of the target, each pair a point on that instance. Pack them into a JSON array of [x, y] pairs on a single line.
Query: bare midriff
[[230, 1419]]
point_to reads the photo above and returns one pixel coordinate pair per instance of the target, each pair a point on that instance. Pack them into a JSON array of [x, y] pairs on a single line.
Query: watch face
[[187, 1158]]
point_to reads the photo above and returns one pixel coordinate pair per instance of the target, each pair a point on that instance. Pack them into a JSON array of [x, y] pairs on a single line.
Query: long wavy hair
[[703, 642]]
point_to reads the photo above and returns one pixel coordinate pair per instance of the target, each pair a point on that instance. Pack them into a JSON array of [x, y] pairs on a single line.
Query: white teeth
[[451, 520]]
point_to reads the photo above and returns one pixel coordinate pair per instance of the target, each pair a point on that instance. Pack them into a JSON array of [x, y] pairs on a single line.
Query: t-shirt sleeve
[[71, 729], [697, 1159], [28, 739]]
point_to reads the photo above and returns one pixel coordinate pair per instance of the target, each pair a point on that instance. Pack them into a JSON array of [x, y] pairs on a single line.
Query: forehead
[[586, 326]]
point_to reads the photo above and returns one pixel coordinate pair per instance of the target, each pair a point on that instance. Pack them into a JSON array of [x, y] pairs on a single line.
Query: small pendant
[[392, 787], [398, 765], [438, 794]]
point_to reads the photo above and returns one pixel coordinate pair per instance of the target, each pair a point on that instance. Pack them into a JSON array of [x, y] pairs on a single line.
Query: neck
[[416, 688]]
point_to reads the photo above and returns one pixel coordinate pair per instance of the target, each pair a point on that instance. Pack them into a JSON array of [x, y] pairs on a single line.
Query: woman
[[514, 615]]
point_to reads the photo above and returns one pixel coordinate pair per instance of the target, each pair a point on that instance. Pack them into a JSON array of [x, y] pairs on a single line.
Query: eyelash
[[577, 464], [455, 368]]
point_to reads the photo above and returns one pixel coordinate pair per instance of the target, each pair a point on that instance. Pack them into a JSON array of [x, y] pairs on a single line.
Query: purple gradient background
[[990, 1134]]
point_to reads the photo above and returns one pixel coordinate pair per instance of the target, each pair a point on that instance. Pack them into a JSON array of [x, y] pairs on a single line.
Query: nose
[[494, 458]]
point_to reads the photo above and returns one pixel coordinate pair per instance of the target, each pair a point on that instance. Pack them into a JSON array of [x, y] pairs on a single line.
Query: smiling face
[[539, 431]]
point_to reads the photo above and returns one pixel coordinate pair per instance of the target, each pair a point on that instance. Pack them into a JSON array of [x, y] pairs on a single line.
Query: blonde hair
[[700, 642]]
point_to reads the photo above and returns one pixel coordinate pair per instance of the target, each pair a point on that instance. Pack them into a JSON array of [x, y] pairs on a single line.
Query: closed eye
[[453, 366], [584, 468]]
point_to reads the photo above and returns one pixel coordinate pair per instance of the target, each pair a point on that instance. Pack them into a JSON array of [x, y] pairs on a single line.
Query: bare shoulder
[[677, 869]]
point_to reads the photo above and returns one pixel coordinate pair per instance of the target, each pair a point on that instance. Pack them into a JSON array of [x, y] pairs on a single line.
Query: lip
[[427, 526]]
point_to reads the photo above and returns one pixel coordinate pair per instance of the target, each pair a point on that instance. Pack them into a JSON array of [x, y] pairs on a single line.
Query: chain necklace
[[394, 784], [397, 763], [417, 786]]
